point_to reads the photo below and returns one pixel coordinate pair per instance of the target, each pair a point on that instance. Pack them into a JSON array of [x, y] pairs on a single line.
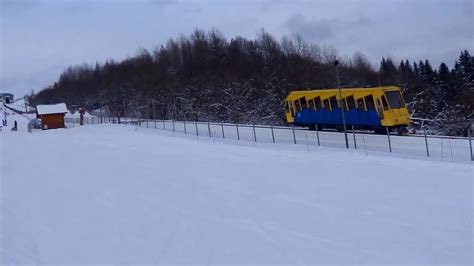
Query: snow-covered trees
[[204, 76]]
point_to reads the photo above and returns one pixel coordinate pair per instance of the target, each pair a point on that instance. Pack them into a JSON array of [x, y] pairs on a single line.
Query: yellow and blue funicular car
[[373, 108]]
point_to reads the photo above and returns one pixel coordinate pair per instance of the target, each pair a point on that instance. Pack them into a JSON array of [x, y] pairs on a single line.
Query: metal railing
[[443, 148]]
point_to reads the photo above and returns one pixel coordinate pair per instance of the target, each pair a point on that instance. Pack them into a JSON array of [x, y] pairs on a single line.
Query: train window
[[311, 104], [333, 101], [297, 105], [344, 104], [326, 105], [287, 108], [360, 104], [350, 102], [395, 99], [317, 103], [303, 102], [369, 102], [384, 103]]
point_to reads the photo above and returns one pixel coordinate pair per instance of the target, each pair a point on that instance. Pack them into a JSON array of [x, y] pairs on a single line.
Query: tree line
[[205, 77]]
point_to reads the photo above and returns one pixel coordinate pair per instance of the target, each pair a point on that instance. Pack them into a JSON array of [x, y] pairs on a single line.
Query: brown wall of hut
[[52, 121]]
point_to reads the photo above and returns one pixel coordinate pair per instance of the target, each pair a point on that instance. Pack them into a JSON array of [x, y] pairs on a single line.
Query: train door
[[292, 109], [380, 109], [385, 108], [287, 108]]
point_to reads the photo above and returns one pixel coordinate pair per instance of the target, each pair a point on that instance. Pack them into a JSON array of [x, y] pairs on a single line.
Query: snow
[[19, 104], [121, 194], [441, 148], [59, 108]]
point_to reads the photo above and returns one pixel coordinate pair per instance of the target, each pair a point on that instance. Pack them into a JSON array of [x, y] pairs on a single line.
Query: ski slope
[[120, 194], [19, 104]]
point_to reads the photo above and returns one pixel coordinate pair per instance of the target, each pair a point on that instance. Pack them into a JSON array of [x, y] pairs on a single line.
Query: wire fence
[[442, 148]]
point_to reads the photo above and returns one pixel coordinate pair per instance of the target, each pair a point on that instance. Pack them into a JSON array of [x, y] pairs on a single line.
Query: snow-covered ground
[[439, 148], [19, 104], [122, 194]]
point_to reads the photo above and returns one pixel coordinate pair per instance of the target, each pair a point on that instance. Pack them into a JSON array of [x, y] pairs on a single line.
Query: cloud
[[320, 30]]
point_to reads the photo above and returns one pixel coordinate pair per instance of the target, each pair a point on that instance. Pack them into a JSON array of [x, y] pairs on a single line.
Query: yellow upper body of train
[[370, 108]]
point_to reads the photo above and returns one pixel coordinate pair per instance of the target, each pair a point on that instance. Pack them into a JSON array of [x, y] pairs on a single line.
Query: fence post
[[172, 121], [317, 133], [237, 128], [354, 135], [294, 136], [147, 124], [222, 128], [209, 129], [365, 146], [426, 143], [388, 137], [184, 125], [451, 150], [197, 131], [155, 124], [254, 134], [441, 140], [470, 144], [164, 127], [273, 135]]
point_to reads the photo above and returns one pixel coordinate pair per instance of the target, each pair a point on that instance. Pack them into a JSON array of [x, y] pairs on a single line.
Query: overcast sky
[[40, 38]]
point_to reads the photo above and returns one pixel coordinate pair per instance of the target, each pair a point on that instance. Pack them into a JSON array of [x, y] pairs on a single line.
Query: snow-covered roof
[[59, 108]]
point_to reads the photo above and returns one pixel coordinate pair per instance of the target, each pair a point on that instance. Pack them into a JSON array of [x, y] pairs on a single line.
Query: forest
[[206, 77]]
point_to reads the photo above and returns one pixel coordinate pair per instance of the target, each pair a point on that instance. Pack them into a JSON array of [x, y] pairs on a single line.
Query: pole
[[441, 141], [336, 63], [184, 125], [237, 128], [354, 135], [317, 134], [294, 136], [389, 143], [209, 129], [470, 144], [197, 131], [222, 128], [172, 121], [254, 134], [426, 143], [273, 135]]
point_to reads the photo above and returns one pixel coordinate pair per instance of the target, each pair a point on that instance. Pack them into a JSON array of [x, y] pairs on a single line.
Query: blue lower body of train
[[354, 117]]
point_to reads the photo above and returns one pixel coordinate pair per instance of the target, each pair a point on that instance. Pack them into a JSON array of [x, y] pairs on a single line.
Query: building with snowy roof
[[51, 115], [6, 97]]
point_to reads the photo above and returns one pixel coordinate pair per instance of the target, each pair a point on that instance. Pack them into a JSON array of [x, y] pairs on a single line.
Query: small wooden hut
[[51, 115]]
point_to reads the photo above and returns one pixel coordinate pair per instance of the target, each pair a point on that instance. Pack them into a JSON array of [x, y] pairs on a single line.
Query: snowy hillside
[[115, 194], [20, 105]]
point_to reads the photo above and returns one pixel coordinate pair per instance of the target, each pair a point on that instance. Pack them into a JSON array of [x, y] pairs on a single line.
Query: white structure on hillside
[[6, 97]]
